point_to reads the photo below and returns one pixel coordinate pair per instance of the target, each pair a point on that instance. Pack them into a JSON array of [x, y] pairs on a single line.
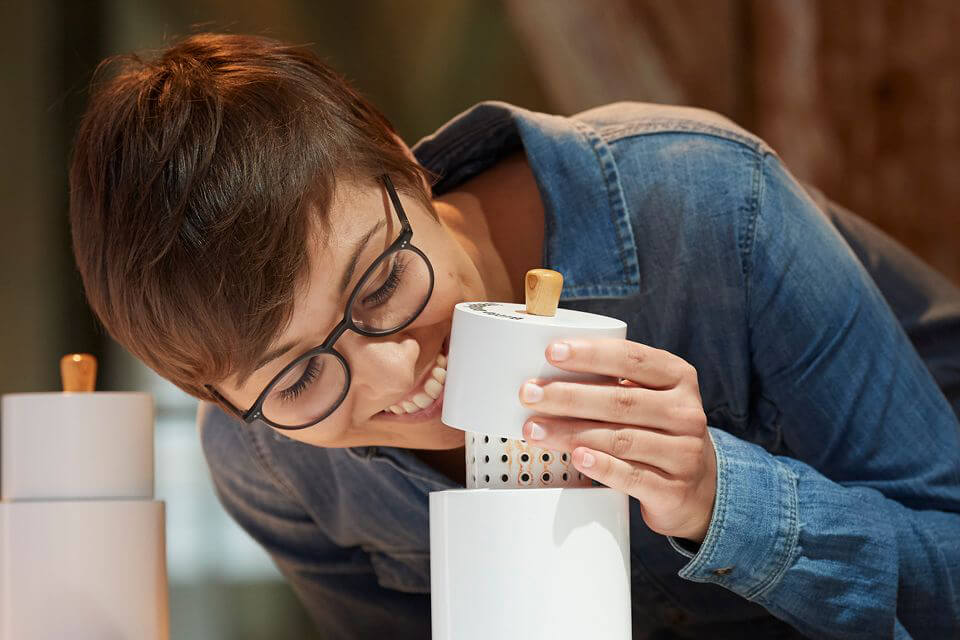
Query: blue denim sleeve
[[855, 533], [337, 586]]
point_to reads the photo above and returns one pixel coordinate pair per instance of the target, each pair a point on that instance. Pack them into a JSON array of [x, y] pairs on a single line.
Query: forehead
[[319, 299]]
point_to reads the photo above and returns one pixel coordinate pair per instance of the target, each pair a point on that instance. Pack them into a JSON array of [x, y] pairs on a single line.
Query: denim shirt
[[829, 367]]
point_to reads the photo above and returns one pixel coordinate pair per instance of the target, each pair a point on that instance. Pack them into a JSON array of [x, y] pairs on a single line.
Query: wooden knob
[[543, 288], [78, 371]]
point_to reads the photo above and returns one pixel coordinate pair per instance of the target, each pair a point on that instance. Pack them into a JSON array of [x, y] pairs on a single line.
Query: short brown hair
[[195, 178]]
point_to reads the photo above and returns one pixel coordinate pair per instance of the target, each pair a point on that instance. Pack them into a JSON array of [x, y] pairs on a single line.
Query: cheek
[[450, 286], [326, 434]]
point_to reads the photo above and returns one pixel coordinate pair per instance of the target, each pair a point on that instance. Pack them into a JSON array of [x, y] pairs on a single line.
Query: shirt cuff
[[753, 533]]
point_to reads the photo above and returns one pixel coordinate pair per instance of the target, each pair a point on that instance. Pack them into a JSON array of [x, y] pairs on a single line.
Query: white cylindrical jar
[[59, 446], [494, 348], [515, 555], [82, 540], [536, 564]]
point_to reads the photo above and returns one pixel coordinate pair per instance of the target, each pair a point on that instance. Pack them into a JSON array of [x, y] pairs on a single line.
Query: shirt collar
[[585, 210]]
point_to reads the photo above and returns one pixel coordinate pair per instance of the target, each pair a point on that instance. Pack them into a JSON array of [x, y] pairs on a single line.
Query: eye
[[311, 373], [383, 294]]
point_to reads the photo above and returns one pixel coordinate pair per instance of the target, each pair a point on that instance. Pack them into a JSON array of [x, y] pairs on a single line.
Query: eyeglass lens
[[388, 298]]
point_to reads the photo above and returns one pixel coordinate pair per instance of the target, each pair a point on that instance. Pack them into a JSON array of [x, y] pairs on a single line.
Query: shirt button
[[723, 571]]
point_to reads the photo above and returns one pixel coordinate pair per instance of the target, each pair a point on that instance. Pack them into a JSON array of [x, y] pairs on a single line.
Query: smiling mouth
[[428, 394]]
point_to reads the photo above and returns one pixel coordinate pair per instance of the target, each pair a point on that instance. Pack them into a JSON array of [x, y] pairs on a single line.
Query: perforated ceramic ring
[[504, 463]]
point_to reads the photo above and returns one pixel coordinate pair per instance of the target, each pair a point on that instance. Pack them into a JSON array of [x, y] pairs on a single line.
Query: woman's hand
[[645, 435]]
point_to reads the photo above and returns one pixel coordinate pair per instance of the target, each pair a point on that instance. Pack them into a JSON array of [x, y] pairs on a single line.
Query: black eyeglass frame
[[346, 323]]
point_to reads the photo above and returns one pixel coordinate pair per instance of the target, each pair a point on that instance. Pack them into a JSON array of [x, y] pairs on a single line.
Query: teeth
[[433, 389], [422, 400]]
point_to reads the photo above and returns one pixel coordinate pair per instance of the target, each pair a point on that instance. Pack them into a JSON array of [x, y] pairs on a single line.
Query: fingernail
[[560, 351], [586, 460], [532, 392], [536, 431]]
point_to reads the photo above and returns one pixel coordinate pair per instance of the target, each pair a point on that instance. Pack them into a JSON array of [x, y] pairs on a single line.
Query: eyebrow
[[273, 354]]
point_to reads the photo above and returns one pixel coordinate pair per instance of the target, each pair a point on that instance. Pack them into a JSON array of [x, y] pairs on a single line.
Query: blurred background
[[860, 97]]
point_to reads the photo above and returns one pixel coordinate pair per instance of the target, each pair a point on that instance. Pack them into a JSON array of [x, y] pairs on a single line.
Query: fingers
[[646, 366], [672, 454], [643, 482], [666, 410]]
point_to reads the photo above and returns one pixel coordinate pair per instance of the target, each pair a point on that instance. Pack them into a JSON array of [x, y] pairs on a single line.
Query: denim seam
[[752, 211], [789, 479], [652, 126], [270, 468], [618, 214], [250, 443], [713, 533], [676, 547], [749, 238], [591, 291]]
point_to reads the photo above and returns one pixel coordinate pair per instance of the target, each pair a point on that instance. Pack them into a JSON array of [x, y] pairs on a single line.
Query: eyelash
[[312, 373], [386, 290], [379, 297]]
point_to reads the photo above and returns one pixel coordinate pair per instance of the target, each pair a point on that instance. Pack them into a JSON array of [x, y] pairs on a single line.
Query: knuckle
[[690, 419], [573, 437], [567, 394], [634, 356], [635, 477], [675, 372], [623, 402], [622, 443], [691, 375]]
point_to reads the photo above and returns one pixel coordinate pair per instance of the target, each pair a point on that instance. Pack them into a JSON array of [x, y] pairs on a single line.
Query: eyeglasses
[[390, 295]]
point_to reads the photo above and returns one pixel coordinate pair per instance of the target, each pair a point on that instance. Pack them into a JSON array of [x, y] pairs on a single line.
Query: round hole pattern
[[517, 464]]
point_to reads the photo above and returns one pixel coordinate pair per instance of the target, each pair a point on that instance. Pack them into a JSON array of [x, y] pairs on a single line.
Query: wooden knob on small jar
[[78, 372], [543, 287]]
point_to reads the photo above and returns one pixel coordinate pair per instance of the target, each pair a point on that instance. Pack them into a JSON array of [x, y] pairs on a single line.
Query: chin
[[439, 437]]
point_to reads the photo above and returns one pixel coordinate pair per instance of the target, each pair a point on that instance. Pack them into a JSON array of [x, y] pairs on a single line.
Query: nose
[[381, 368]]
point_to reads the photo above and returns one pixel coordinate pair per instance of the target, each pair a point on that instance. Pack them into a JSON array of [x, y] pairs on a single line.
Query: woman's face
[[390, 370]]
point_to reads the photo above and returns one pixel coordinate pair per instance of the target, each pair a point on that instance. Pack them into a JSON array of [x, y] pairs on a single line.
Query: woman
[[252, 229]]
